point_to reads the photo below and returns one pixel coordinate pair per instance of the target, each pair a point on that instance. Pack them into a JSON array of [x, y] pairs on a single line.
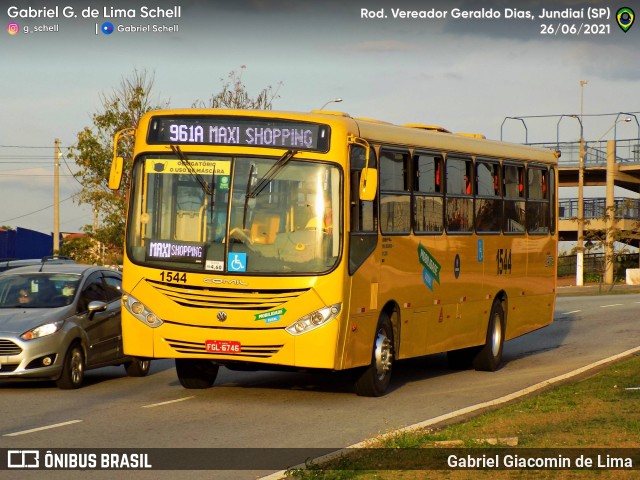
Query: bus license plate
[[223, 346]]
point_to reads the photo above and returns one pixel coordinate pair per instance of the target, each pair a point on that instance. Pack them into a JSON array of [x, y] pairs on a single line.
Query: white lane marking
[[167, 403], [613, 305], [32, 430], [574, 311]]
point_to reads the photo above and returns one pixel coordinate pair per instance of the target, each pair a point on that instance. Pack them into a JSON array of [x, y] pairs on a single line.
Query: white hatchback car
[[58, 320]]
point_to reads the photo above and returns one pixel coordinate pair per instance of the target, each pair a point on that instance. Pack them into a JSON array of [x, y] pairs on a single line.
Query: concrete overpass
[[606, 164]]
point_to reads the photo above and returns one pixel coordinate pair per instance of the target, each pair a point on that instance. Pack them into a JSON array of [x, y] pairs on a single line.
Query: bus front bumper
[[269, 346]]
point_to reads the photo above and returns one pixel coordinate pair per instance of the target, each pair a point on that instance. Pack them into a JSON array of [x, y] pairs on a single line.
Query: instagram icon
[[13, 28]]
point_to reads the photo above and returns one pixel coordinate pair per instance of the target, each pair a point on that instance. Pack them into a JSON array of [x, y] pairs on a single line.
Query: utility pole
[[580, 243], [610, 214], [56, 196]]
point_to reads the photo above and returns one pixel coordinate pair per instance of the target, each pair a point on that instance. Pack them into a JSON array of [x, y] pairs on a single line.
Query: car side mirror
[[95, 307]]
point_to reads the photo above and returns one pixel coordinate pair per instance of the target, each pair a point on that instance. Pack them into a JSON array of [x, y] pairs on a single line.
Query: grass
[[598, 412]]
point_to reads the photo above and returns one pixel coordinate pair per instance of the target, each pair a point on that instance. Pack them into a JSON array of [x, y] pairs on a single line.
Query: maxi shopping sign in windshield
[[242, 131]]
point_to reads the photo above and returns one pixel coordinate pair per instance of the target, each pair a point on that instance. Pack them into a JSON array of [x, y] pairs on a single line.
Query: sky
[[466, 74]]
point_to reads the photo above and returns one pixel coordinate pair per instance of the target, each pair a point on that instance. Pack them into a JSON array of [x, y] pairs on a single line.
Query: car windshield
[[38, 290]]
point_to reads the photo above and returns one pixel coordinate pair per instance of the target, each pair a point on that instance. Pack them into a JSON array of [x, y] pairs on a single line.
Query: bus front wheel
[[490, 356], [373, 382], [196, 373]]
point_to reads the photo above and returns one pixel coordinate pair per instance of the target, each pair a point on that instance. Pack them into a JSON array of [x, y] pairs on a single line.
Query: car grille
[[7, 347], [228, 298], [8, 367], [248, 351]]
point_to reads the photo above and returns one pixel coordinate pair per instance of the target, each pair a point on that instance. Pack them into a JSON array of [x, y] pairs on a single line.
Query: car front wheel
[[73, 369]]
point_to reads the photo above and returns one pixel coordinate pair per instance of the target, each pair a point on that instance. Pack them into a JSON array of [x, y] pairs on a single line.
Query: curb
[[465, 411], [572, 290]]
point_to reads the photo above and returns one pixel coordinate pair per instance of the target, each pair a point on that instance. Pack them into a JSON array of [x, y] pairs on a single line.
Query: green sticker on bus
[[272, 316], [431, 266]]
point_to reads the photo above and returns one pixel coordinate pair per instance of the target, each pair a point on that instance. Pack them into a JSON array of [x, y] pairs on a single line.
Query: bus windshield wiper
[[208, 190], [271, 173], [252, 171]]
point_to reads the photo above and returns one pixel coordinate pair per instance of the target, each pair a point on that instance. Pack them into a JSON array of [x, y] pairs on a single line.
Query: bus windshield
[[203, 213]]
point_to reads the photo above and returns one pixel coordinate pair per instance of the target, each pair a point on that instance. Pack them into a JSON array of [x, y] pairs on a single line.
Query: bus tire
[[72, 369], [138, 367], [196, 374], [490, 356], [374, 380]]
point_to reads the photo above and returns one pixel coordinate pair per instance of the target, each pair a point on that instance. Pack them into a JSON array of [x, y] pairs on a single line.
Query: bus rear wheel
[[196, 374], [374, 381], [490, 356]]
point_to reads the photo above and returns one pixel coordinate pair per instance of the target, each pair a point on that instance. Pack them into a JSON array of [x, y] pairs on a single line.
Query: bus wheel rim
[[383, 355], [496, 337]]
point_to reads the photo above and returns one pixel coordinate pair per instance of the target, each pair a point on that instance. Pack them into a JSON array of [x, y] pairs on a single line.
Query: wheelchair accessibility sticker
[[237, 262]]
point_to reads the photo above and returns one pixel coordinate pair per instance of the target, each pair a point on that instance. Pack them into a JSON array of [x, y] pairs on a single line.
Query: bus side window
[[488, 197], [553, 200], [537, 201], [427, 196], [395, 193], [514, 205], [459, 195], [364, 215]]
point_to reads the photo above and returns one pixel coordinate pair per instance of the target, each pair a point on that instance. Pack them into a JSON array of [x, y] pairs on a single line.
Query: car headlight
[[42, 330], [314, 320], [141, 311]]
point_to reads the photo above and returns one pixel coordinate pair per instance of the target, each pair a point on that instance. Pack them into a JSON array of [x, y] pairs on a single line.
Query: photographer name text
[[90, 12]]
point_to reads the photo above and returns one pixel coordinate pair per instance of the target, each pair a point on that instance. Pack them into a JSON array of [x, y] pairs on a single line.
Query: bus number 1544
[[503, 261]]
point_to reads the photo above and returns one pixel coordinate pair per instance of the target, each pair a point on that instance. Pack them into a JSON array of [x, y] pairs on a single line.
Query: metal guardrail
[[594, 208], [627, 152]]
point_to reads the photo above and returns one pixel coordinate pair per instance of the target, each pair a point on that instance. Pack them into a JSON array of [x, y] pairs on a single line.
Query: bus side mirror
[[368, 176], [115, 175], [368, 184]]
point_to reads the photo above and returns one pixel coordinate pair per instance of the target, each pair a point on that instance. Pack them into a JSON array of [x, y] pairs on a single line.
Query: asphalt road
[[292, 410]]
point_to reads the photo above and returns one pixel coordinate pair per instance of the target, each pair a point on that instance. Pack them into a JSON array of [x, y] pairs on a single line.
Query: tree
[[82, 250], [234, 95], [93, 153]]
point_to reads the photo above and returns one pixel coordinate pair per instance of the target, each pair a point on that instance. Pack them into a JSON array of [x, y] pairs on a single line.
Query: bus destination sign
[[241, 131]]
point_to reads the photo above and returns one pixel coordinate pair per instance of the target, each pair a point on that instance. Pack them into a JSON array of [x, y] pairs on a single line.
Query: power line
[[28, 146], [34, 212]]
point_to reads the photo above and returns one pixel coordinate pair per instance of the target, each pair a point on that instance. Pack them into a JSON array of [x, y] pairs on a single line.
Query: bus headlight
[[314, 320], [141, 311]]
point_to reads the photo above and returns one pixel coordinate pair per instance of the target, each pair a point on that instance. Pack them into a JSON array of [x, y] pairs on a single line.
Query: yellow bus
[[270, 240]]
